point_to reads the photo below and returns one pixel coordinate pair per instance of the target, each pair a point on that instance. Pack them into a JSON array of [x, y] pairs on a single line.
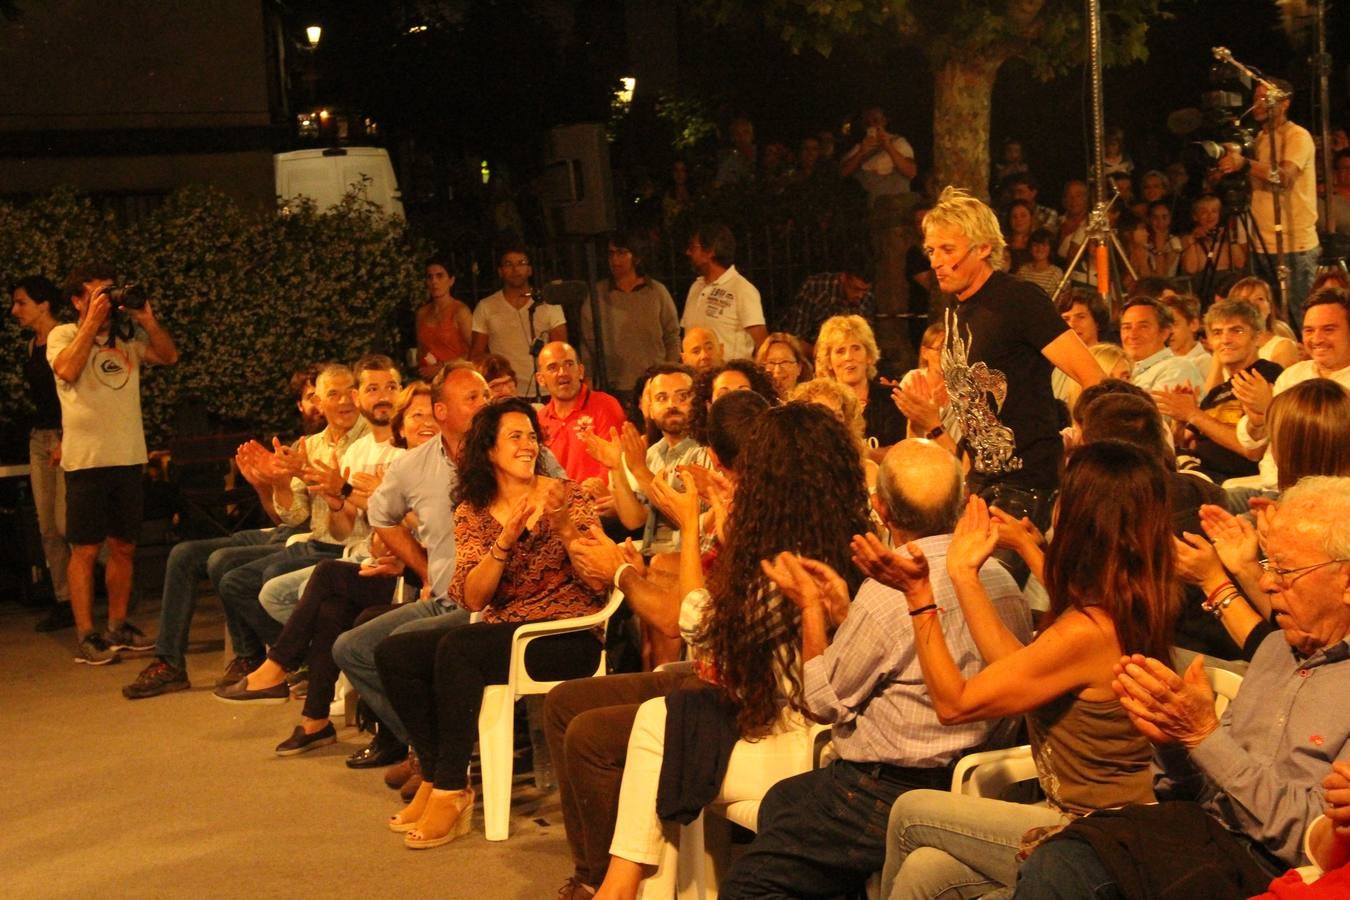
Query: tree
[[966, 43]]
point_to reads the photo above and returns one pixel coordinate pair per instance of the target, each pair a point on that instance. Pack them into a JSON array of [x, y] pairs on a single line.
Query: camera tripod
[[1102, 238], [1239, 218]]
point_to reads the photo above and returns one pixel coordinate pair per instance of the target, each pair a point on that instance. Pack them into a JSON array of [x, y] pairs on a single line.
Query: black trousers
[[823, 832], [335, 595], [435, 682]]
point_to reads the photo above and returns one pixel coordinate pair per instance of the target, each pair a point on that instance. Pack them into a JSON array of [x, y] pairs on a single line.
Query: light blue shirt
[[1165, 369]]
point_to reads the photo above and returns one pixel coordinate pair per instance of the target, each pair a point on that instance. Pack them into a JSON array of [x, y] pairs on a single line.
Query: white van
[[325, 176]]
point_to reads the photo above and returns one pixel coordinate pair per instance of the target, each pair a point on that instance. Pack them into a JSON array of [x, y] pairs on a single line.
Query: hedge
[[247, 298]]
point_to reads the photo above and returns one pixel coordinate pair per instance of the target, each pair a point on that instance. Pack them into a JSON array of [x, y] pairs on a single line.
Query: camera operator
[[103, 445], [1295, 156]]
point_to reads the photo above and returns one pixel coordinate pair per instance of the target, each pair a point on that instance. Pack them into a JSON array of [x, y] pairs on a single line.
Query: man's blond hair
[[959, 209]]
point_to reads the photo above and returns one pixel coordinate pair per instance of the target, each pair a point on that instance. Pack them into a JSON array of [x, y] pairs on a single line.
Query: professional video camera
[[1216, 129]]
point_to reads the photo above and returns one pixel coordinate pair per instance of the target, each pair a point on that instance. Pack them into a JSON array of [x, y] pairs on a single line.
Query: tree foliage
[[965, 41], [246, 299]]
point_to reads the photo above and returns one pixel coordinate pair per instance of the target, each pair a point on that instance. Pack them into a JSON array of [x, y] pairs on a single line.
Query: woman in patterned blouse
[[513, 526]]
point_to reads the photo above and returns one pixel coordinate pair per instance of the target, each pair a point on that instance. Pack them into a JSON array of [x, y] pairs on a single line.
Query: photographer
[[97, 364], [1295, 155]]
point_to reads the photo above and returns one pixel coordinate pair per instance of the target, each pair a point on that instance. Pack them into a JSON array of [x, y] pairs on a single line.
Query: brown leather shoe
[[575, 889], [409, 789], [398, 774]]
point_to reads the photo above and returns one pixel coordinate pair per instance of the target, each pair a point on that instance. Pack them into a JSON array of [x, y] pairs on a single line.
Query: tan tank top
[[1088, 755]]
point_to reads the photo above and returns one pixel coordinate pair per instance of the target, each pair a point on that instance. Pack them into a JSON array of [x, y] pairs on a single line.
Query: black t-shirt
[[1217, 461], [42, 388], [882, 419], [999, 383]]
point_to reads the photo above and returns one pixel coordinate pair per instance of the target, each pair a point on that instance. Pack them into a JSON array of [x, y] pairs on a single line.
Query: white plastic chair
[[496, 719], [990, 772], [688, 870]]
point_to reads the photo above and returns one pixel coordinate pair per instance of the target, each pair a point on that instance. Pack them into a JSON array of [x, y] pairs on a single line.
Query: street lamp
[[314, 33], [624, 95]]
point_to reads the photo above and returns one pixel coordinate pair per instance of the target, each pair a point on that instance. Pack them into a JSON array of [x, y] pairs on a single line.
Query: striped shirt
[[868, 684]]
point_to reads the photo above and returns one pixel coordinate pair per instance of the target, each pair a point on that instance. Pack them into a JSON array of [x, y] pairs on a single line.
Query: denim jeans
[[354, 651], [823, 832], [49, 496], [940, 844], [279, 596], [1302, 271], [251, 629], [188, 563], [1065, 870]]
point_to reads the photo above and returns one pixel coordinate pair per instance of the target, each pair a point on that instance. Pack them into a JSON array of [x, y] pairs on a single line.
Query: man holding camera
[[97, 364], [1295, 158]]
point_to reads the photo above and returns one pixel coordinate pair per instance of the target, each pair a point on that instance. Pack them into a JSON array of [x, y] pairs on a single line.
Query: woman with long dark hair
[[512, 528], [743, 634], [1110, 575]]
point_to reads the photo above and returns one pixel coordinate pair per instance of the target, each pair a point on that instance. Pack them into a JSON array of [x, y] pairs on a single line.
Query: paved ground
[[181, 796]]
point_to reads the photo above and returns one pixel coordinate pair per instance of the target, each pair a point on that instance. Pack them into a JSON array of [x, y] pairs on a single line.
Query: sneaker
[[129, 637], [58, 619], [157, 678], [93, 650], [299, 742], [237, 669]]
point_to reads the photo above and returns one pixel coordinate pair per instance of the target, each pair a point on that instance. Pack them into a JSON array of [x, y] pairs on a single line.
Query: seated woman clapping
[[1109, 572], [513, 526], [800, 487]]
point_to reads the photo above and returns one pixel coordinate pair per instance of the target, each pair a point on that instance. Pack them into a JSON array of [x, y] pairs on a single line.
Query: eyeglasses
[[779, 364], [566, 365], [1281, 576]]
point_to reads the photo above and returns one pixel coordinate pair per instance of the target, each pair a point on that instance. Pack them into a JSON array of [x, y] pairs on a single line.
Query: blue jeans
[[251, 628], [281, 595], [948, 845], [354, 652], [823, 832], [188, 563], [1302, 271], [1065, 870]]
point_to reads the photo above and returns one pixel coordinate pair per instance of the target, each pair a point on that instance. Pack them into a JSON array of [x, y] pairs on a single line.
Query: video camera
[[1218, 131]]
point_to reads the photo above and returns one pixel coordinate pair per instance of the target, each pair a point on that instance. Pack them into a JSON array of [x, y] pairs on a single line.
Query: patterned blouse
[[537, 583]]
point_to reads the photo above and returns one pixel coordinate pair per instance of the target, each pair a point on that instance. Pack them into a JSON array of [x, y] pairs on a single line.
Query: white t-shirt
[[726, 307], [1298, 373], [100, 410], [1298, 200], [508, 333], [365, 455]]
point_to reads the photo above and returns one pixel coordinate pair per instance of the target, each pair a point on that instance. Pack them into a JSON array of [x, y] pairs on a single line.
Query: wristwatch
[[935, 433]]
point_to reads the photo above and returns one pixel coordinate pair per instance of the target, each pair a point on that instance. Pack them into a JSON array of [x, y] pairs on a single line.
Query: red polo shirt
[[595, 411]]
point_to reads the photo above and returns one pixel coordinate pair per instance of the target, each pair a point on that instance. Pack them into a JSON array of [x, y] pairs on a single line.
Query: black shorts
[[104, 502]]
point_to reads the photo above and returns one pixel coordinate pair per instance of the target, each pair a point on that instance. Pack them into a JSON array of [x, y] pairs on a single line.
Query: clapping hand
[[595, 556], [635, 452], [1253, 392], [1234, 537], [322, 478], [909, 575], [681, 505], [1197, 561], [809, 584], [515, 525], [977, 534], [1177, 402], [609, 453], [1166, 707]]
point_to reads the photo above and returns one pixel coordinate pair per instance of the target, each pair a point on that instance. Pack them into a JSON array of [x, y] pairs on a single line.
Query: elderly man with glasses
[[1253, 777]]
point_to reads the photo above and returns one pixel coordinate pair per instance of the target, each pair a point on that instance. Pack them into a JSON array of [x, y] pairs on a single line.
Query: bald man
[[822, 833], [701, 350], [573, 409]]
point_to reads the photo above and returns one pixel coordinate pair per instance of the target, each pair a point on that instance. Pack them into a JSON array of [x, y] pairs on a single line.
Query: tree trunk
[[962, 92]]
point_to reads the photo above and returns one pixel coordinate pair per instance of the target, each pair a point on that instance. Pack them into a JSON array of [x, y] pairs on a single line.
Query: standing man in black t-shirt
[[35, 300], [1003, 340]]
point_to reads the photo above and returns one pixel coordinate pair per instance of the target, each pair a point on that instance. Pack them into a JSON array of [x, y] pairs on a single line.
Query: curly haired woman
[[743, 634]]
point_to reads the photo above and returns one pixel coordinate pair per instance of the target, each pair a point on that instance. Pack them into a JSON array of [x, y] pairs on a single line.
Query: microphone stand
[[1271, 100]]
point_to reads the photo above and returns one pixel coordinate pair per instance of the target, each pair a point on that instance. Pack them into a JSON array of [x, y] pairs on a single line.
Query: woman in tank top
[[1109, 573]]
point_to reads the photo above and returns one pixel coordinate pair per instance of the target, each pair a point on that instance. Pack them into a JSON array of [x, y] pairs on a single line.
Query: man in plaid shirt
[[842, 293]]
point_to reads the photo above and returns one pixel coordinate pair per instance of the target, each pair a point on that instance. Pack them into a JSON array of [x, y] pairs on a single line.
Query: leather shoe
[[300, 742], [239, 693], [381, 751], [398, 774]]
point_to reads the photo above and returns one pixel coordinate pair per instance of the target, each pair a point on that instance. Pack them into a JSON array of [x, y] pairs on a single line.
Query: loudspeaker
[[578, 185]]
